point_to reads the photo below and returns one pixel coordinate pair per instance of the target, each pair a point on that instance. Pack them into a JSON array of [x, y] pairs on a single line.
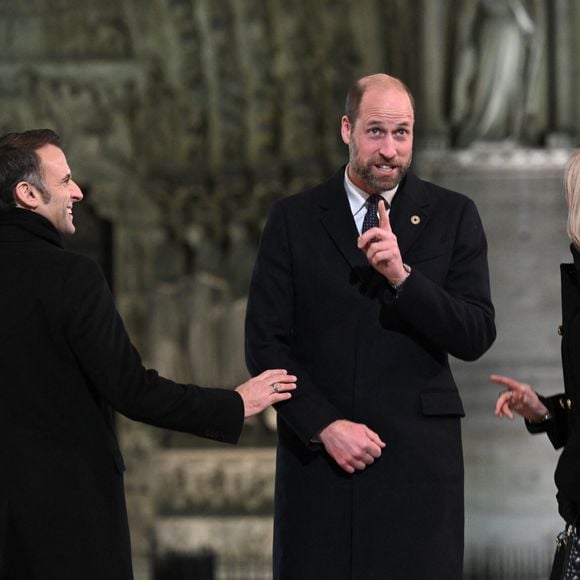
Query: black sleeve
[[113, 367], [556, 428], [459, 316]]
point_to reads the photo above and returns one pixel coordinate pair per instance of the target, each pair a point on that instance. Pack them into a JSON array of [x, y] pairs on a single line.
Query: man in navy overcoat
[[369, 472]]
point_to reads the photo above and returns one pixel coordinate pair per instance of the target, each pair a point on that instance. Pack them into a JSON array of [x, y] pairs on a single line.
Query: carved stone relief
[[188, 117], [500, 47]]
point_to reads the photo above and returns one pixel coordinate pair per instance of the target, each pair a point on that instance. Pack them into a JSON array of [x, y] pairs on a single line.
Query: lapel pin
[[415, 219]]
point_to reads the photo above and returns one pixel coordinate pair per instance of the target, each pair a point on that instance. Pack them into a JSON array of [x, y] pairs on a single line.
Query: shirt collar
[[357, 198]]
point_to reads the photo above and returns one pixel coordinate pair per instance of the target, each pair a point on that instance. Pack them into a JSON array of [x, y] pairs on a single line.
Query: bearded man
[[363, 286]]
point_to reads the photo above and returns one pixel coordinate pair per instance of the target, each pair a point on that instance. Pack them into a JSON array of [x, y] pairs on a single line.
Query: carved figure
[[498, 52]]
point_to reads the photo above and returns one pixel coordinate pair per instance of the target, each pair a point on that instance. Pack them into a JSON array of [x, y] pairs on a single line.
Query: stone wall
[[186, 118]]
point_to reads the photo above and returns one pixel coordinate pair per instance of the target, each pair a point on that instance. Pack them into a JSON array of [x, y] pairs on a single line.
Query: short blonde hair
[[572, 184]]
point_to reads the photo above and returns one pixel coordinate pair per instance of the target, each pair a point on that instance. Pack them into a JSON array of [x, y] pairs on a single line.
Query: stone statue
[[498, 51]]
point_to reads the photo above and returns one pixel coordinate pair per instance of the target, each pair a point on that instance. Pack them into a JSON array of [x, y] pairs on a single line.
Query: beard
[[376, 183]]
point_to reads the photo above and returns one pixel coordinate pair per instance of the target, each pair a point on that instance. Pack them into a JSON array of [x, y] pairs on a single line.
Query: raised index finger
[[384, 221]]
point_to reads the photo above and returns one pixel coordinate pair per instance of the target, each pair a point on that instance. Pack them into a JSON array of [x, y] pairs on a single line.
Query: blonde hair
[[572, 184]]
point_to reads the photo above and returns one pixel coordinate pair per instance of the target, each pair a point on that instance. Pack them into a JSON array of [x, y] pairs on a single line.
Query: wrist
[[396, 284], [322, 433], [542, 418]]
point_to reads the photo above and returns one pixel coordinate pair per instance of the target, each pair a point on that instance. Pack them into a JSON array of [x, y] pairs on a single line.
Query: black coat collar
[[576, 257], [18, 224]]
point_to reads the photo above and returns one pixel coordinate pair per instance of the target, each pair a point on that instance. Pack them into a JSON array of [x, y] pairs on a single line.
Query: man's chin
[[71, 225], [384, 183], [375, 183], [68, 229]]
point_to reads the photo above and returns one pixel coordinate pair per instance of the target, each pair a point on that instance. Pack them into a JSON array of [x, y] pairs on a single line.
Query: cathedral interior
[[184, 119]]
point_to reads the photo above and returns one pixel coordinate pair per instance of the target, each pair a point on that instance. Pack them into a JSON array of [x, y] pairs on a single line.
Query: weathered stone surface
[[215, 481], [186, 118], [236, 538]]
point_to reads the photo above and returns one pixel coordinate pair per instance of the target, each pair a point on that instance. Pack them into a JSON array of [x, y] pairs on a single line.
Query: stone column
[[433, 33], [563, 79]]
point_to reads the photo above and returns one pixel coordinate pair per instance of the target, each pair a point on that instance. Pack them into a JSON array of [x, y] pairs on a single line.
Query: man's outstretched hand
[[269, 387]]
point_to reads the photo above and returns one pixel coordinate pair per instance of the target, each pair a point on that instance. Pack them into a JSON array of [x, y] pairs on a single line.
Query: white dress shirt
[[357, 199]]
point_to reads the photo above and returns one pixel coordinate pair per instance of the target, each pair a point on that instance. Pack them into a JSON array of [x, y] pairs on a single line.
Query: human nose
[[77, 193], [388, 149]]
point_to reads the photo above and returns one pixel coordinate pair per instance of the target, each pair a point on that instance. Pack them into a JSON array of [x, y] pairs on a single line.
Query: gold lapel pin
[[415, 219]]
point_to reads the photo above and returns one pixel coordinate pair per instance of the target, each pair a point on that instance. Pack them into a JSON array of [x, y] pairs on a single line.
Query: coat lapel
[[337, 220], [410, 212]]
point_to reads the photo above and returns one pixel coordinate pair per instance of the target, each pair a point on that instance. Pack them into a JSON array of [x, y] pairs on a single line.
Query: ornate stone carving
[[187, 118], [215, 481], [497, 81]]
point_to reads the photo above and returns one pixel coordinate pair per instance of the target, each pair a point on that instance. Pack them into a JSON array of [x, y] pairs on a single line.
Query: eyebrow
[[374, 122], [66, 178]]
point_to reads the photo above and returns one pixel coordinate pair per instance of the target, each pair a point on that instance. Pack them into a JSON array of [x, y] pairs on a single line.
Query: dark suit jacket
[[366, 353], [66, 360]]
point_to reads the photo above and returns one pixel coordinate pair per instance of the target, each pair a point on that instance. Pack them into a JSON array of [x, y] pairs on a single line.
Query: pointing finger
[[508, 382]]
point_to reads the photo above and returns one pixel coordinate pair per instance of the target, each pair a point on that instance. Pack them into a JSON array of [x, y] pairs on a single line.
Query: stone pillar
[[564, 71], [434, 33]]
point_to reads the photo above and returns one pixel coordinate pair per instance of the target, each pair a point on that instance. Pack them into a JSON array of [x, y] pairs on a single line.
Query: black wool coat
[[371, 355], [65, 362], [563, 428]]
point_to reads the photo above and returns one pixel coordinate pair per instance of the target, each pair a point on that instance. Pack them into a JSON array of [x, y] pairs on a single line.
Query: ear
[[345, 129], [26, 196]]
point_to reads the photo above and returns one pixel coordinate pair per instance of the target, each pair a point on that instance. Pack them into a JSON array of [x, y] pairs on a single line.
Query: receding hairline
[[380, 81]]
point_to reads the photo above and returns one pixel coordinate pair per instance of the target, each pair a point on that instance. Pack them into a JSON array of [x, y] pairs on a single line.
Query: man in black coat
[[66, 362], [369, 472]]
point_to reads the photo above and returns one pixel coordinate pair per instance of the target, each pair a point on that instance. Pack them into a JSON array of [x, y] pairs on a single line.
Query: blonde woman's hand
[[519, 398]]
